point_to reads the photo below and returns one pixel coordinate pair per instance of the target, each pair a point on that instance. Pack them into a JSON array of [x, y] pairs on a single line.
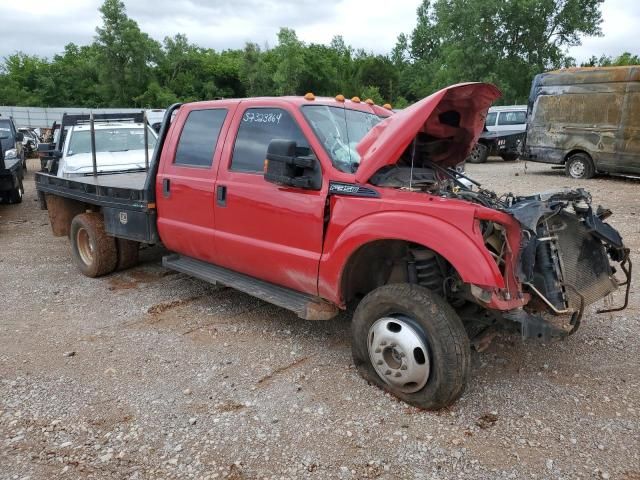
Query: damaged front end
[[553, 251], [565, 261]]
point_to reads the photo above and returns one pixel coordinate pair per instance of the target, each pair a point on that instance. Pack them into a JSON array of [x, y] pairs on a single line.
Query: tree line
[[505, 43]]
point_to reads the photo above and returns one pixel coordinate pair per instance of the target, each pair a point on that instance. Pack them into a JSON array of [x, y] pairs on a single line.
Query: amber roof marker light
[[309, 96], [340, 98], [368, 101], [387, 106], [355, 99]]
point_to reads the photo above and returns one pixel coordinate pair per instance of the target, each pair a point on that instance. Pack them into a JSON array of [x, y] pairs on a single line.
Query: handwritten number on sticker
[[259, 117]]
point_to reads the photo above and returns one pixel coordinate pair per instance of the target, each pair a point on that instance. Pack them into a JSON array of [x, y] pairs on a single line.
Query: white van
[[511, 118]]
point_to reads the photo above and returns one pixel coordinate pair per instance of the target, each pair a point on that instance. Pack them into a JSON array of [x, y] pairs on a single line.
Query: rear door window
[[512, 118], [258, 127], [199, 137]]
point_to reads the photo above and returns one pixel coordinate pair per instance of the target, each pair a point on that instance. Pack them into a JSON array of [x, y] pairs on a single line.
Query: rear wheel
[[127, 253], [580, 166], [94, 252], [479, 154], [409, 341]]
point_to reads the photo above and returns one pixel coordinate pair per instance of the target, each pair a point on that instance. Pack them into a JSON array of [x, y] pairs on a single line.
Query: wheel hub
[[577, 169], [85, 248], [399, 354]]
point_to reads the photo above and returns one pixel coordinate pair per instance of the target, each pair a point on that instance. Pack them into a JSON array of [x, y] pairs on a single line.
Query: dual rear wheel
[[96, 253]]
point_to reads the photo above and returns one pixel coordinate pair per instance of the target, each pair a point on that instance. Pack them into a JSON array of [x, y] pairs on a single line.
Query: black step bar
[[305, 306]]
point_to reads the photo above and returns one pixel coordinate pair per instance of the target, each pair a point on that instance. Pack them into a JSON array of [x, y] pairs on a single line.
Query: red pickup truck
[[317, 204]]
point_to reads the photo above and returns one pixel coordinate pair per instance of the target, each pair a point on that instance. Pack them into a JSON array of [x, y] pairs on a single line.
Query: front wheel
[[409, 341]]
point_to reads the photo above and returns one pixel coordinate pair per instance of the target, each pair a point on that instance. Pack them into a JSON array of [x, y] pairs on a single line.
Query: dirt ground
[[151, 374]]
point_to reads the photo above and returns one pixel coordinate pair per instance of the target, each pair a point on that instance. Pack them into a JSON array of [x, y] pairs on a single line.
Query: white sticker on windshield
[[269, 118]]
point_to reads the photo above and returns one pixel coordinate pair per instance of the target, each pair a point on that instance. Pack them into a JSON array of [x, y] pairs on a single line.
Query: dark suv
[[12, 162]]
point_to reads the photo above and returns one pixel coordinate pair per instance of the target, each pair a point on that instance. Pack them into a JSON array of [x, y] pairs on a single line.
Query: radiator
[[583, 261]]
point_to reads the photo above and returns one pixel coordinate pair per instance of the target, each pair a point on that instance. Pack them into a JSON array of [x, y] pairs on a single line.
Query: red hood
[[386, 142]]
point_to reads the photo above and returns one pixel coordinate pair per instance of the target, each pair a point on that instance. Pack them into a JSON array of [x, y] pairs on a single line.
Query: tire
[[426, 323], [93, 251], [479, 154], [127, 253], [580, 166], [15, 195], [509, 157]]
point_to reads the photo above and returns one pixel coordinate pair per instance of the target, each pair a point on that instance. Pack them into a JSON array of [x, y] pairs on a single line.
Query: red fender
[[466, 254]]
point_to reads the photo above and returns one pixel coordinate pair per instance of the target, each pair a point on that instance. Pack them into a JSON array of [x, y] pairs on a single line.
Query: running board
[[305, 306]]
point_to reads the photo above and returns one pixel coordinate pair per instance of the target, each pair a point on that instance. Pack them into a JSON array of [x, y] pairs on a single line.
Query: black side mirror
[[19, 137], [284, 167]]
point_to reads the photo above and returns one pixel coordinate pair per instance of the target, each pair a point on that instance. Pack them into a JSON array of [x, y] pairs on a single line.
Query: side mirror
[[284, 167], [19, 137]]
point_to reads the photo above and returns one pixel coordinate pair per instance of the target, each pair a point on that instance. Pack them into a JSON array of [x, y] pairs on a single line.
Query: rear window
[[491, 119], [199, 137], [512, 118]]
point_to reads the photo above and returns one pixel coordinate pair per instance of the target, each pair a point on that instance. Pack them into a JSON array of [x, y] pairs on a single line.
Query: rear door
[[186, 180], [264, 230]]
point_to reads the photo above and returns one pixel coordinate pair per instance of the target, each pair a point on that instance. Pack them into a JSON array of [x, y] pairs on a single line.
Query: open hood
[[454, 114]]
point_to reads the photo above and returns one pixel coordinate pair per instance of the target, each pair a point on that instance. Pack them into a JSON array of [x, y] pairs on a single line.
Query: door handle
[[166, 187], [221, 195]]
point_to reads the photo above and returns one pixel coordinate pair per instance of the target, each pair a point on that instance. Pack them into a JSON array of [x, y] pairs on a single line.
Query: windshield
[[340, 130], [110, 140]]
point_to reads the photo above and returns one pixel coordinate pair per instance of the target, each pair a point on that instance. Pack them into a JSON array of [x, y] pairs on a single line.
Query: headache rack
[[51, 152]]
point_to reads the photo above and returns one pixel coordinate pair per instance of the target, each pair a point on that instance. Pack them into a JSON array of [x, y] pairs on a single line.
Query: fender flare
[[466, 254]]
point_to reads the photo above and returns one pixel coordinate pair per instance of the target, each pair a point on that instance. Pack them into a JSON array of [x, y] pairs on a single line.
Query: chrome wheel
[[85, 248], [577, 169], [399, 354]]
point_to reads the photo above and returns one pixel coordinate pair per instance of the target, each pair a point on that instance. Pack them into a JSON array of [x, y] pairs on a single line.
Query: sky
[[43, 27]]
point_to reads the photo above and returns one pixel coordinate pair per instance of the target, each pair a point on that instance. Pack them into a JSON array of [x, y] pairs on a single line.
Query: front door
[[264, 230], [185, 185]]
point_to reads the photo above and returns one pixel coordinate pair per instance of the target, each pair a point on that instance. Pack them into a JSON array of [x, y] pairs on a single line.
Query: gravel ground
[[151, 374]]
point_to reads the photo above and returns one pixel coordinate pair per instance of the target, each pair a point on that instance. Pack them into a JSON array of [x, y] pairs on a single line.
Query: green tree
[[503, 42], [289, 55], [125, 55], [373, 93], [607, 61]]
